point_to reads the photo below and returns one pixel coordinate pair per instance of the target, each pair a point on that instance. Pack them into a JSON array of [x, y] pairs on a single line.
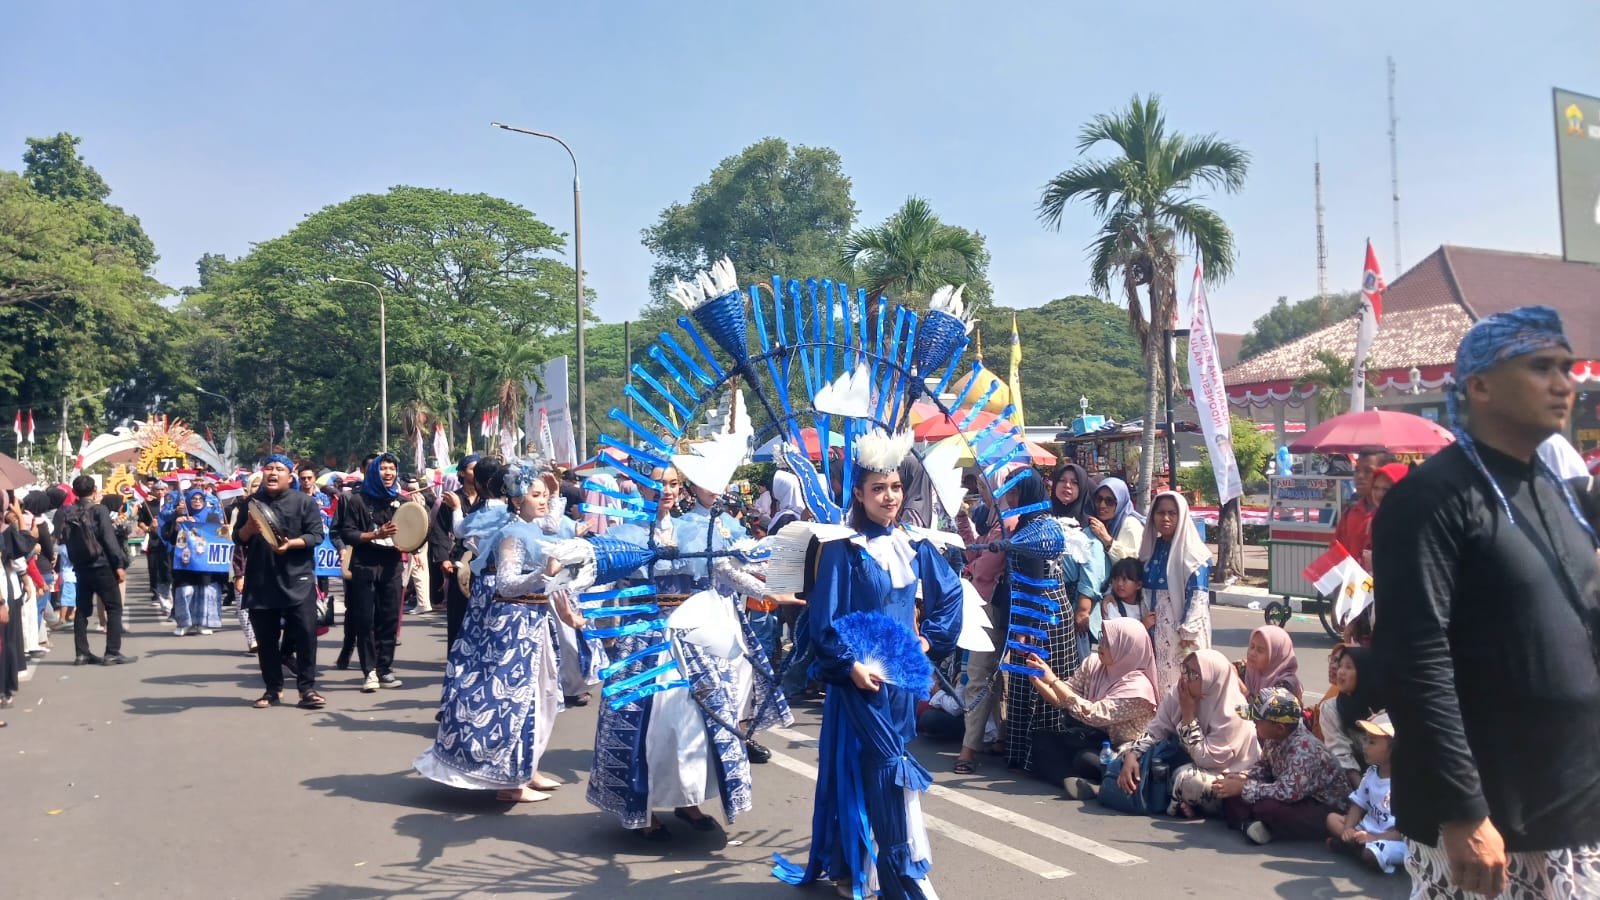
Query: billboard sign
[[1578, 174]]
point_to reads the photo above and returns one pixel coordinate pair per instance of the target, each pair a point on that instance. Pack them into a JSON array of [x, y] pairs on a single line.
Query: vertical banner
[[1210, 396], [1017, 418], [548, 397]]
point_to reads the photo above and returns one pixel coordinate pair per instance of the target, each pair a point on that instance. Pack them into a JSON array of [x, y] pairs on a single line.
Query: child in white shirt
[[1367, 831]]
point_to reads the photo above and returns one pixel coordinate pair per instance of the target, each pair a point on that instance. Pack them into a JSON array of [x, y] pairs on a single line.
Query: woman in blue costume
[[665, 749], [502, 689], [867, 832]]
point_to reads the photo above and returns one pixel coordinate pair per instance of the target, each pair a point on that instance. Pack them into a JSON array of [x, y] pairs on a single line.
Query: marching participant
[[372, 600], [279, 589], [502, 686]]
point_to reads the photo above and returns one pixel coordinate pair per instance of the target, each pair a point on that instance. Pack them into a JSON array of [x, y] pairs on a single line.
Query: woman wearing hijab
[[1358, 698], [365, 522], [1111, 698], [1269, 661], [1201, 712], [1071, 490], [502, 684], [1177, 582], [196, 595], [1113, 521], [16, 543], [1078, 589]]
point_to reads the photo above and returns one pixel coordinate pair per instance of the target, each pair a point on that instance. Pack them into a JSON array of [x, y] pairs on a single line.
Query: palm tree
[[1145, 200], [913, 252], [1332, 380]]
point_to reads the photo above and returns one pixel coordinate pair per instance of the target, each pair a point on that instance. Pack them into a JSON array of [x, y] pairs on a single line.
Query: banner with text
[[1210, 396], [547, 398]]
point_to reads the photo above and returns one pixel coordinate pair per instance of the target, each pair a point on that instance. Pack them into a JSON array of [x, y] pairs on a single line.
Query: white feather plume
[[707, 285], [879, 451], [849, 395], [723, 278], [942, 465], [687, 293], [572, 552], [948, 300]]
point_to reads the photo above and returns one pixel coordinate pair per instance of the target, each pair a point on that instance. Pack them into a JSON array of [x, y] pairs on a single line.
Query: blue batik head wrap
[[278, 458], [373, 486], [1491, 341]]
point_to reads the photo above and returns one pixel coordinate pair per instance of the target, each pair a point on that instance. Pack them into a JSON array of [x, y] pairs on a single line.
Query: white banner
[[548, 397], [1210, 397]]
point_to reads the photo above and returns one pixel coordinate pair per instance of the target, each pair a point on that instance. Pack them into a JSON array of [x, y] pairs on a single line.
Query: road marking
[[1000, 813], [972, 839]]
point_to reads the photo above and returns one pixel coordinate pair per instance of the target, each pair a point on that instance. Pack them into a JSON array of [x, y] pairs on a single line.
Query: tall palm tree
[[913, 252], [1145, 198]]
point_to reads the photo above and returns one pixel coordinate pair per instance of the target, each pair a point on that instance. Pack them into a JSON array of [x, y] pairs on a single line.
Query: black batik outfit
[[280, 590], [373, 592]]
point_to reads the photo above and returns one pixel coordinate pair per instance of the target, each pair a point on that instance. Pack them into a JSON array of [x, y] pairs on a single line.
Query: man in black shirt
[[365, 522], [279, 582], [101, 565], [158, 559], [1488, 597]]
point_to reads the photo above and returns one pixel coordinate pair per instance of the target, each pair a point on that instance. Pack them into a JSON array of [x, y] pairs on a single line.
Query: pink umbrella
[[1396, 432]]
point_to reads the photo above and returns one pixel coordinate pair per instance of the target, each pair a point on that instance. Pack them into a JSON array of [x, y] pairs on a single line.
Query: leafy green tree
[[1144, 198], [913, 253], [1252, 450], [1285, 322], [55, 170], [771, 209], [1332, 379], [471, 290], [1071, 347]]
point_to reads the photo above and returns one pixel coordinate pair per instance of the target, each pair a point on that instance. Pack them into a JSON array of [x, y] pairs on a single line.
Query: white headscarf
[[1188, 552], [786, 494]]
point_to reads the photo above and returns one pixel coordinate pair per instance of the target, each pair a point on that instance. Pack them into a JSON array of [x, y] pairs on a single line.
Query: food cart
[[1302, 515]]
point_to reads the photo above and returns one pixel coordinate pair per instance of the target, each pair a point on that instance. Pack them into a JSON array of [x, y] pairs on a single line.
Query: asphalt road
[[157, 780]]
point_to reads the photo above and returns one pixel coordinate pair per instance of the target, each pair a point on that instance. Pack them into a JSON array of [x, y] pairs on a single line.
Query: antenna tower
[[1322, 240], [1394, 169]]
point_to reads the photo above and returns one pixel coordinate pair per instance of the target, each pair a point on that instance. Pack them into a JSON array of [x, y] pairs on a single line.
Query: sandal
[[548, 784], [521, 795], [266, 700], [965, 766], [312, 700]]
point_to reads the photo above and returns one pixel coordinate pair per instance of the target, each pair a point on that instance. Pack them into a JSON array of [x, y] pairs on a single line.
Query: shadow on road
[[160, 706]]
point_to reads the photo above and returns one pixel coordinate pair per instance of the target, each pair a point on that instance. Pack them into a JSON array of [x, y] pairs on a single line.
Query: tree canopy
[[1071, 347], [1285, 322], [913, 253]]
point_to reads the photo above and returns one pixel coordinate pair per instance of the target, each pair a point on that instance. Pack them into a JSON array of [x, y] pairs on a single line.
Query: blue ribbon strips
[[629, 660]]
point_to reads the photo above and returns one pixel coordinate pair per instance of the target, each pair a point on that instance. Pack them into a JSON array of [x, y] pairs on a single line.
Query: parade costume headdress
[[835, 382], [1491, 341]]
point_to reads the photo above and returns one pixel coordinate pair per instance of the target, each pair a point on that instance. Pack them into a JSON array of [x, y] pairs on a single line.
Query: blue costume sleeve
[[941, 600], [1091, 575], [826, 601]]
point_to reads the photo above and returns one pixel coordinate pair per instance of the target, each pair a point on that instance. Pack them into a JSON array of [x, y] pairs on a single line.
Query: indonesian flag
[[417, 461], [77, 467], [30, 426], [1338, 574], [483, 424], [227, 490], [140, 492], [1372, 288], [18, 426]]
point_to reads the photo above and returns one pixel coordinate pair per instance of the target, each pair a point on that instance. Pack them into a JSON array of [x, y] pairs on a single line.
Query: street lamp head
[[1083, 404]]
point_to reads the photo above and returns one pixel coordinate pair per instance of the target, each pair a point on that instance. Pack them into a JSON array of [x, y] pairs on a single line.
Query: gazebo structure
[[1425, 313]]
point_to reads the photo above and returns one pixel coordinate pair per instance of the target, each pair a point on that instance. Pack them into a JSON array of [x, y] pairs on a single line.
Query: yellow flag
[[1016, 381]]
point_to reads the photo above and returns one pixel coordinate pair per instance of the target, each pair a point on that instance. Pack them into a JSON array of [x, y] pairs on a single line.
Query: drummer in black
[[365, 522], [280, 583]]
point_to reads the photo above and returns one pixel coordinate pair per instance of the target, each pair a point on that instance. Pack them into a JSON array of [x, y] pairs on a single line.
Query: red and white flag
[[441, 446], [1338, 574], [1372, 288], [18, 427], [417, 461], [227, 490], [30, 426], [77, 467]]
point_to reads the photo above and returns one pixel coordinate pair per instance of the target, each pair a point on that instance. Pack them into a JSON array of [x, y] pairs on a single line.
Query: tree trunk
[[1230, 543], [1152, 403]]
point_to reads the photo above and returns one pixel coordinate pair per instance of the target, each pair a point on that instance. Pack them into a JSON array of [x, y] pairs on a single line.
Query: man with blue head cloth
[[1488, 599], [365, 521], [280, 588]]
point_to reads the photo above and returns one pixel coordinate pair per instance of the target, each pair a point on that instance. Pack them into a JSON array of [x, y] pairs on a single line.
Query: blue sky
[[220, 124]]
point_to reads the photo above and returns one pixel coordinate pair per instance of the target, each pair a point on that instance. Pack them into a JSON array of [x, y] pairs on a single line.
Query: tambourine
[[410, 527], [267, 521]]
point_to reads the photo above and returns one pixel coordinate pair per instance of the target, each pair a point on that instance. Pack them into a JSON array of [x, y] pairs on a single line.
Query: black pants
[[1066, 754], [297, 626], [12, 660], [159, 565], [455, 610], [99, 581], [372, 614]]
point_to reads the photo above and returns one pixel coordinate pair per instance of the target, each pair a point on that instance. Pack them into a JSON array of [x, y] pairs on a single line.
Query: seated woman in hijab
[[1201, 711], [1269, 661], [1110, 699], [1113, 521], [1358, 698]]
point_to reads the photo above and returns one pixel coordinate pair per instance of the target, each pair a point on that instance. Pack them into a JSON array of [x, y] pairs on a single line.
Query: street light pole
[[383, 355], [577, 263]]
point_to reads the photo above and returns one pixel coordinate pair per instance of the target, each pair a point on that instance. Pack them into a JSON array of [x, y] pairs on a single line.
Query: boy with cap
[[1297, 784], [1367, 831]]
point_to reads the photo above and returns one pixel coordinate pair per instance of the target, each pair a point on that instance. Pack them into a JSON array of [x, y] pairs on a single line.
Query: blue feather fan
[[886, 647]]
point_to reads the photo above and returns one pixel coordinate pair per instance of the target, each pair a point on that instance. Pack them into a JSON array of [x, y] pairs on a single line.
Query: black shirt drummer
[[280, 588], [365, 522]]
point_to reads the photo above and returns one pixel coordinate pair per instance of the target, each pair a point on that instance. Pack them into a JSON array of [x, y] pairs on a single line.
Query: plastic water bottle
[[1105, 754]]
